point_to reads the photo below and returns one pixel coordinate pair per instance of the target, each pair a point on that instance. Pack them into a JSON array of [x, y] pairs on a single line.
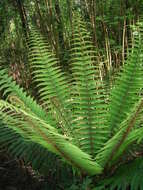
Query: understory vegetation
[[71, 91]]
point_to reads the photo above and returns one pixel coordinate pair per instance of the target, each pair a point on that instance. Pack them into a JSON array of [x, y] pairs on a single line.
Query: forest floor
[[14, 175]]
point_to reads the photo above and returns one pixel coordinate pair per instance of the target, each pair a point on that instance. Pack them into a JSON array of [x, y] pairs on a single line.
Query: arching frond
[[18, 96], [32, 129]]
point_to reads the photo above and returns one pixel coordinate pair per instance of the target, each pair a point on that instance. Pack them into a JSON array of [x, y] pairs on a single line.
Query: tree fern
[[84, 125]]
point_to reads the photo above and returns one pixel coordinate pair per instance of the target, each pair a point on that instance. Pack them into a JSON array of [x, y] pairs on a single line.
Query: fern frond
[[51, 83], [126, 132], [127, 175], [128, 85], [31, 152], [32, 129], [124, 107], [134, 137], [89, 93], [11, 90]]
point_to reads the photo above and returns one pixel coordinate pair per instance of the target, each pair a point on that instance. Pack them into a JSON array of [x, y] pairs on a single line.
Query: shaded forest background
[[109, 22]]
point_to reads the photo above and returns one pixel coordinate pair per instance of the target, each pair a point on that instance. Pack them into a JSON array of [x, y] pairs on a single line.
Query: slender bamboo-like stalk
[[123, 41]]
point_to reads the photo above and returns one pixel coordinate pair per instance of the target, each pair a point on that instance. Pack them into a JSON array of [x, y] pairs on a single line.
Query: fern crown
[[75, 117]]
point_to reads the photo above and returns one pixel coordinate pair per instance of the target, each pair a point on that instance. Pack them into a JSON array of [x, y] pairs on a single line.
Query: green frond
[[30, 151], [134, 137], [88, 92], [128, 85], [12, 92], [51, 83], [32, 129], [127, 175], [126, 135]]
